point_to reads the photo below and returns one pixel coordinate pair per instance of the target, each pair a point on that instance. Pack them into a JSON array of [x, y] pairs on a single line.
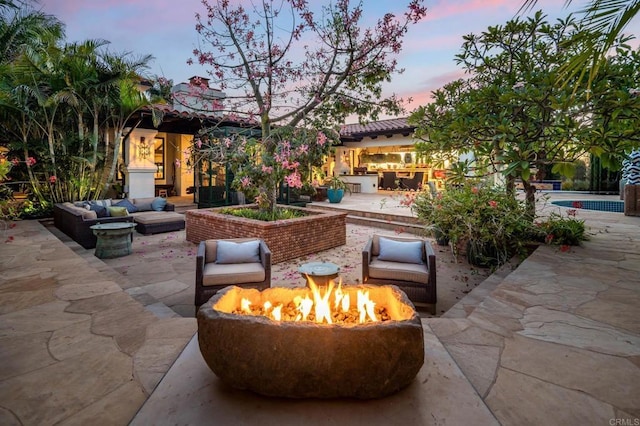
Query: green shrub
[[492, 224], [278, 214], [559, 230]]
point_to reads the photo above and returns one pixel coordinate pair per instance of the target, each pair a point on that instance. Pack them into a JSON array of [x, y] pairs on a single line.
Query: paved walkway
[[74, 347], [557, 341]]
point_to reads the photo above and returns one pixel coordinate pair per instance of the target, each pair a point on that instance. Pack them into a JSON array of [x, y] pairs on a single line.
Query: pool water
[[600, 205]]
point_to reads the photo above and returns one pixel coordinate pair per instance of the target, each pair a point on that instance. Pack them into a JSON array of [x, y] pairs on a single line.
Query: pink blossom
[[493, 204], [474, 190], [322, 139], [293, 180], [267, 169], [52, 179], [30, 161], [15, 161], [177, 163], [199, 143], [227, 142], [245, 182]]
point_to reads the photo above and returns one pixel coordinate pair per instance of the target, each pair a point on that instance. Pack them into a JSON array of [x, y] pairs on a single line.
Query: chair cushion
[[230, 274], [232, 252], [84, 213], [413, 272], [149, 218], [126, 204], [143, 204], [117, 211], [400, 251], [158, 204]]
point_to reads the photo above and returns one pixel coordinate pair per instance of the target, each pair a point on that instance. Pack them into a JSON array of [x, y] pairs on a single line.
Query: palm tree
[[604, 22], [24, 28]]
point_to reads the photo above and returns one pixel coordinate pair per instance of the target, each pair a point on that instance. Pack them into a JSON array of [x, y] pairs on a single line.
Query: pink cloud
[[443, 9], [446, 9], [420, 94]]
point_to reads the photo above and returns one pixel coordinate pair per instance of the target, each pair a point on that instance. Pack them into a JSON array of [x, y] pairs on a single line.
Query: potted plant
[[336, 189]]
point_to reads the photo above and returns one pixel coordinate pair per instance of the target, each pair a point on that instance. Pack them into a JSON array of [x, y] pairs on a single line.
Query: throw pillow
[[103, 203], [117, 211], [232, 252], [101, 211], [143, 204], [127, 205], [158, 204], [400, 251]]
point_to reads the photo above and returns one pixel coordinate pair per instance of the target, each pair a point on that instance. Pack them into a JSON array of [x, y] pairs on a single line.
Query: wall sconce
[[144, 149]]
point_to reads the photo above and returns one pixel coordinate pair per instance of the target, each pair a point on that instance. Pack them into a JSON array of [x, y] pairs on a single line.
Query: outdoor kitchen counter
[[368, 183]]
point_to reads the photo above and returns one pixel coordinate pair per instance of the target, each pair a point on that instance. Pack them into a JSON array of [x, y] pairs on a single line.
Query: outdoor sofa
[[76, 219]]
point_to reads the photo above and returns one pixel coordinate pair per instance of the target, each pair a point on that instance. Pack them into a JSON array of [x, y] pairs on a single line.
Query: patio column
[[140, 167], [184, 176]]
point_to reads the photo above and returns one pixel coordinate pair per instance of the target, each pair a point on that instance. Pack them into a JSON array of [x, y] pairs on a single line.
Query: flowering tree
[[257, 169], [287, 66]]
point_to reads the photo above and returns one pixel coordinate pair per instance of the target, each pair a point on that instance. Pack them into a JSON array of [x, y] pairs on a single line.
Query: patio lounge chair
[[414, 183], [409, 263], [244, 262], [389, 180]]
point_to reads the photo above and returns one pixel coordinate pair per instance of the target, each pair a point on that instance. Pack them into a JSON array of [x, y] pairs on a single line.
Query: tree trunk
[[530, 197]]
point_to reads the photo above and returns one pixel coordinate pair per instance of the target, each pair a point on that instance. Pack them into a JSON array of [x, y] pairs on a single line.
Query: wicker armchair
[[417, 280], [214, 273]]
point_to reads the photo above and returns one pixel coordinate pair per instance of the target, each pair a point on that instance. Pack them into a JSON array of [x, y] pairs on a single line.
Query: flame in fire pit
[[328, 305]]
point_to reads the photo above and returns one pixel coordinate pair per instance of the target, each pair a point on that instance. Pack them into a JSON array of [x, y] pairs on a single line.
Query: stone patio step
[[412, 228], [369, 213]]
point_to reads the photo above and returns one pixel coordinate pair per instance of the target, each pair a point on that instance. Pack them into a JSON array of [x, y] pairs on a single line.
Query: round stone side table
[[320, 272], [114, 239]]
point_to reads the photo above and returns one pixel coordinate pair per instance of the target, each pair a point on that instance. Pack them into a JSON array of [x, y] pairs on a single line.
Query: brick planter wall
[[287, 239]]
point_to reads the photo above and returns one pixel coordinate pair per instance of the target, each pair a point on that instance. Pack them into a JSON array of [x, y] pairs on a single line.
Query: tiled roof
[[170, 111], [388, 127], [189, 122]]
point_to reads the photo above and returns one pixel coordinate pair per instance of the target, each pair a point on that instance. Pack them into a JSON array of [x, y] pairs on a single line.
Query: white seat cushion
[[413, 272], [230, 274]]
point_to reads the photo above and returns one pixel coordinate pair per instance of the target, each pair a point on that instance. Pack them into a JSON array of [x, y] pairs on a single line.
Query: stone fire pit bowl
[[309, 360]]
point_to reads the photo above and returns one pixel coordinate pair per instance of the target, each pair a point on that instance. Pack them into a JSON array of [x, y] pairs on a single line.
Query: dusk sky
[[165, 29]]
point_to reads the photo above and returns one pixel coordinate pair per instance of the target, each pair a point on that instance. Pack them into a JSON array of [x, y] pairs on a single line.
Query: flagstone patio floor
[[555, 341]]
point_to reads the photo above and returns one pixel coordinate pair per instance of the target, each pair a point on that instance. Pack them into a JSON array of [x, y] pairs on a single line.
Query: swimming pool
[[600, 205]]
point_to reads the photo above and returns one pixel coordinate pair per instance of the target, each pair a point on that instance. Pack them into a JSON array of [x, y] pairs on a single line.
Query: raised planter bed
[[287, 239]]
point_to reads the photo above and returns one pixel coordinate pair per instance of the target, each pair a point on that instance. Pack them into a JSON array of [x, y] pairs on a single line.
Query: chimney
[[196, 96]]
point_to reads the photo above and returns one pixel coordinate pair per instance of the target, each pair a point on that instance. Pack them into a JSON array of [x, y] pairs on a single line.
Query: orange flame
[[320, 304]]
